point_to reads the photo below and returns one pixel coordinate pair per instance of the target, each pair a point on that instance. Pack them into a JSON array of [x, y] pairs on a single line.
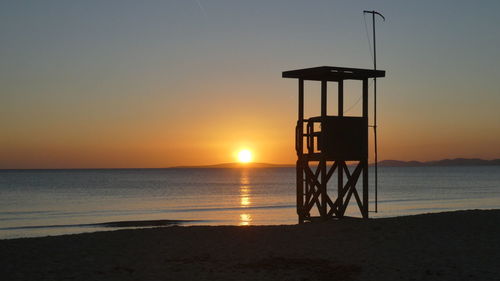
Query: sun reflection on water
[[245, 201], [245, 198], [245, 219]]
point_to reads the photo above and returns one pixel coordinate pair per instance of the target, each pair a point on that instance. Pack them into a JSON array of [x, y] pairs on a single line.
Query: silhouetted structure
[[336, 140]]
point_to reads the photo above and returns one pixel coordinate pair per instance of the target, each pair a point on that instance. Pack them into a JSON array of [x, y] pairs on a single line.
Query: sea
[[37, 203]]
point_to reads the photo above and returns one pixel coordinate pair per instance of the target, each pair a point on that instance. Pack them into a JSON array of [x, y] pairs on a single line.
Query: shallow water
[[52, 202]]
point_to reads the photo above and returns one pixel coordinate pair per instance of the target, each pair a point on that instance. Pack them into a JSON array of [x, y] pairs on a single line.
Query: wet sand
[[462, 245]]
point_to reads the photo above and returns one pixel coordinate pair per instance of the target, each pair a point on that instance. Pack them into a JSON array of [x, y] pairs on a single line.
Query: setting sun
[[245, 156]]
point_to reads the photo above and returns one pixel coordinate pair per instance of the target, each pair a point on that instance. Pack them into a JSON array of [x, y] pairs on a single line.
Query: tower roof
[[333, 73]]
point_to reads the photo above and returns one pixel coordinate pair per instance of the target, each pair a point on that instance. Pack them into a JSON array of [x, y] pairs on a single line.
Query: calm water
[[31, 201]]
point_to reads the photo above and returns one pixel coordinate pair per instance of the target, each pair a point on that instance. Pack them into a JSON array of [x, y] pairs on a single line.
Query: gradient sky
[[159, 83]]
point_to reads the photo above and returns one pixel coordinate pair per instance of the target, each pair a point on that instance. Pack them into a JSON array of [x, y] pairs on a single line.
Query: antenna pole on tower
[[375, 101]]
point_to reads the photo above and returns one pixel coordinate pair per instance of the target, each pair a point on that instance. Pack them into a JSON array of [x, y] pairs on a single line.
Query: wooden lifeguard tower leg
[[364, 210], [300, 154], [341, 164]]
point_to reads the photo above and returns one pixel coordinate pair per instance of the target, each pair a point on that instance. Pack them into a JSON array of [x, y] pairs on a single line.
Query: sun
[[245, 156]]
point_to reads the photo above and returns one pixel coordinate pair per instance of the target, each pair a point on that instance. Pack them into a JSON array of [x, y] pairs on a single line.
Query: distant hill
[[444, 162], [238, 165]]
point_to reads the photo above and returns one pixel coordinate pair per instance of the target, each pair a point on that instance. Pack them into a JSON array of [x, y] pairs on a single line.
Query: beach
[[461, 245]]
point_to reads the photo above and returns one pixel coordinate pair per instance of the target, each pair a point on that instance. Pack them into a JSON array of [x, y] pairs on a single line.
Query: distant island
[[384, 163], [444, 162]]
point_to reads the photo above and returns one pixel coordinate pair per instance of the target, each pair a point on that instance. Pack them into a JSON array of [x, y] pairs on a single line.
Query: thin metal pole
[[375, 112], [375, 103]]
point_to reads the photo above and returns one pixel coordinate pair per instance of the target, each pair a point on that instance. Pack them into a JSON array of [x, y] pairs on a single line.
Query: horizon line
[[282, 165]]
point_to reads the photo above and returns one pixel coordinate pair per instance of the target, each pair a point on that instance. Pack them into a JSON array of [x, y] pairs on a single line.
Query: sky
[[128, 84]]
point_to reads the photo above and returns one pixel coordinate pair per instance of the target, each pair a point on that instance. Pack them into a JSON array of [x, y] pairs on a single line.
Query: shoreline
[[459, 245], [158, 223]]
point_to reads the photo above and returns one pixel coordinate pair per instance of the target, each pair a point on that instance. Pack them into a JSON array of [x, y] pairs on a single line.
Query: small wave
[[17, 216], [226, 208]]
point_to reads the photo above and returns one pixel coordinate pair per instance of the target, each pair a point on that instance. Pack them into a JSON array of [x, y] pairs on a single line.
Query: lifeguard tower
[[331, 141]]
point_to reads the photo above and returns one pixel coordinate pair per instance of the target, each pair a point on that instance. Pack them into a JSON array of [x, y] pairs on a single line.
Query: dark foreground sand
[[462, 245]]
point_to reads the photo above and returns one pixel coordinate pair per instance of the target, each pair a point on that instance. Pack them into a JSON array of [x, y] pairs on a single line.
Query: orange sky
[[160, 85]]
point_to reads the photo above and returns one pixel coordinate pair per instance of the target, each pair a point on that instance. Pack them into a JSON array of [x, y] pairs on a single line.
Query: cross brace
[[312, 187]]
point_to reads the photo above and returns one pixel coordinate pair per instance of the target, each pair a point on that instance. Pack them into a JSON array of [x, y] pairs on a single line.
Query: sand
[[462, 245]]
